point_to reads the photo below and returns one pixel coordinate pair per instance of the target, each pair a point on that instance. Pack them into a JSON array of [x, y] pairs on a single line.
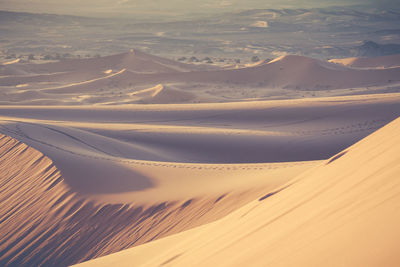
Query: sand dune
[[232, 132], [286, 72], [341, 213], [46, 220], [53, 77], [161, 94], [133, 60], [76, 76], [86, 169], [374, 62], [84, 86], [302, 72]]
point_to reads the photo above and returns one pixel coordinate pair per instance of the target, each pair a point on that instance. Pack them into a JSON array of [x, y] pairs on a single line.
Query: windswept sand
[[345, 212]]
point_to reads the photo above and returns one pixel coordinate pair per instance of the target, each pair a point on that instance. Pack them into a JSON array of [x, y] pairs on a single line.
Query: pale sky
[[167, 7]]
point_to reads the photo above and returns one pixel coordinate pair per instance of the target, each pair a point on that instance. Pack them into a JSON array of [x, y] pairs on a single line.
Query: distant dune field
[[122, 79]]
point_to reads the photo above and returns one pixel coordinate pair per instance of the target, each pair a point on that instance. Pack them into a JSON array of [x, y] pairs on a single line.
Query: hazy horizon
[[158, 8]]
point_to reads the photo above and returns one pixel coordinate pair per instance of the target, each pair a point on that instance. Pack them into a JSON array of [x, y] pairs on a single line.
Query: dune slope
[[45, 222], [344, 212]]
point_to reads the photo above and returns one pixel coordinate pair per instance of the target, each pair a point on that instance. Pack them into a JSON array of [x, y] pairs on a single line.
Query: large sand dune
[[44, 221], [341, 213]]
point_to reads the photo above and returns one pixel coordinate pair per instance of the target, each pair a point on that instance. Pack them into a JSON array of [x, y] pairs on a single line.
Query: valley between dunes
[[105, 154]]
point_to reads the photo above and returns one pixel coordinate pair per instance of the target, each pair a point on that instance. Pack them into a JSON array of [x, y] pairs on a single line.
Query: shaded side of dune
[[44, 223]]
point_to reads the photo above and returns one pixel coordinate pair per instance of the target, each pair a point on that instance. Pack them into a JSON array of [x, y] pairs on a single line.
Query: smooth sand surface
[[344, 212]]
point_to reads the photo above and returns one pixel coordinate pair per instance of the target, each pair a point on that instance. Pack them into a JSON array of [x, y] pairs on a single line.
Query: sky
[[168, 7]]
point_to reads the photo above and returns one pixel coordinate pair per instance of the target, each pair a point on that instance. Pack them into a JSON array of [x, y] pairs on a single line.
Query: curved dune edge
[[45, 222], [343, 213]]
